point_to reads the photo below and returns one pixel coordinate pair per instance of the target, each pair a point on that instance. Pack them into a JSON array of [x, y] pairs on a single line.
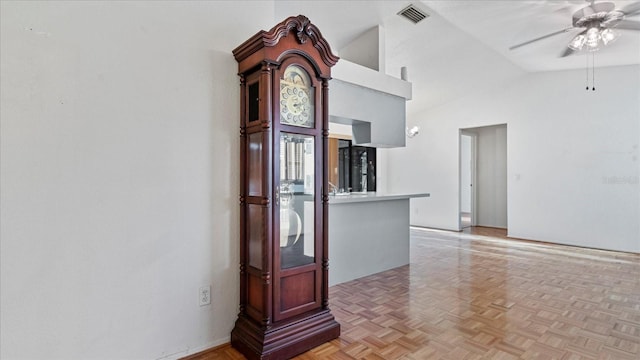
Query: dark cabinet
[[356, 167]]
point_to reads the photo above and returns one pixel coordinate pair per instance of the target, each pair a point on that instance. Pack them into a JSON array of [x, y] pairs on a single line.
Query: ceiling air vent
[[413, 14]]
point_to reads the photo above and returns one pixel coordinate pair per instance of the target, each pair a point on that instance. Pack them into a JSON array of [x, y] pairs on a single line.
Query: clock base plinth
[[286, 339]]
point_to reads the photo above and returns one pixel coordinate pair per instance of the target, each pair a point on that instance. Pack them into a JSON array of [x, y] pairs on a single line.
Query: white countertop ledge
[[371, 196]]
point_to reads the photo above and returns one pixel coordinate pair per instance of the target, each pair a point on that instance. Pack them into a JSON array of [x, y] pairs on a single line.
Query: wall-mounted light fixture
[[415, 130]]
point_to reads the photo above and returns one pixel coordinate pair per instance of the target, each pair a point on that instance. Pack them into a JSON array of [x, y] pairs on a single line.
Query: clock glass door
[[298, 175], [297, 200]]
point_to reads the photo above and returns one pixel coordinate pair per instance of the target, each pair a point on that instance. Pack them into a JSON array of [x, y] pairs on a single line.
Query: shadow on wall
[[225, 227]]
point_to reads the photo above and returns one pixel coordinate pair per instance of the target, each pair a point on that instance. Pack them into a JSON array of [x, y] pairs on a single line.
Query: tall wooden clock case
[[284, 83]]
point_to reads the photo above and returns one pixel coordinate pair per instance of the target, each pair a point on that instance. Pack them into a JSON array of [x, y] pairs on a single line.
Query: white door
[[467, 179]]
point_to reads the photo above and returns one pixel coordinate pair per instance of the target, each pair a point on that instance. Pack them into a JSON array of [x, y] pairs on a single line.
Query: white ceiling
[[464, 45], [501, 24]]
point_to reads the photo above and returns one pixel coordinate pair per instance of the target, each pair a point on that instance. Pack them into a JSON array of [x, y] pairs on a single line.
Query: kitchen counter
[[371, 196], [368, 233]]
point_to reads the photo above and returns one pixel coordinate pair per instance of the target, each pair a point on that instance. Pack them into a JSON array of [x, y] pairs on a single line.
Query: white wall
[[340, 130], [573, 164], [368, 49], [378, 118], [119, 175]]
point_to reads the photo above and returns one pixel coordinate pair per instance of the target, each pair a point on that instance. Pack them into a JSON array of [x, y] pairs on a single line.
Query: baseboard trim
[[491, 227], [206, 351], [544, 242], [432, 228], [509, 236]]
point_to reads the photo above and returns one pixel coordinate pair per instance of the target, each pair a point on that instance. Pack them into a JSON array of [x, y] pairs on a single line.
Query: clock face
[[296, 98]]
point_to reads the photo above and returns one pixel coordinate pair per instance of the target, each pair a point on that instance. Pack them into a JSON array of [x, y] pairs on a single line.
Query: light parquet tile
[[482, 296]]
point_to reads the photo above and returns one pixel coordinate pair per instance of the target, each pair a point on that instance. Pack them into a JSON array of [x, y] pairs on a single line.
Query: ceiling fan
[[598, 21]]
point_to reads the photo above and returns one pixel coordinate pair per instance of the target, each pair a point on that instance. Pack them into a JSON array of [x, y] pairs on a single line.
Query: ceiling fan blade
[[567, 51], [631, 9], [540, 38], [627, 25]]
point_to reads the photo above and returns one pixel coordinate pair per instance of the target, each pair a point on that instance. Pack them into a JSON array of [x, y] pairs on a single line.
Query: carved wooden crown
[[304, 31]]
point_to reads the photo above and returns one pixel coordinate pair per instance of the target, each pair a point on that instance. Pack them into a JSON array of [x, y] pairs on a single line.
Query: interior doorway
[[483, 177]]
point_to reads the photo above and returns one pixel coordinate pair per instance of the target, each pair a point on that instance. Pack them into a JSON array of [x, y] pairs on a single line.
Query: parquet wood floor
[[480, 296]]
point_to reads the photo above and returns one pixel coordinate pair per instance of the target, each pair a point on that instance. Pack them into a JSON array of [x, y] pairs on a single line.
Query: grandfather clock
[[284, 83]]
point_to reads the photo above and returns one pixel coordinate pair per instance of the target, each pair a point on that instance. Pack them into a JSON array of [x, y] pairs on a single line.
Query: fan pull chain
[[586, 70], [593, 72]]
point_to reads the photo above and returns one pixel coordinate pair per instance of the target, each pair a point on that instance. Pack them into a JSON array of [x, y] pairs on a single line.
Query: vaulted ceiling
[[463, 46]]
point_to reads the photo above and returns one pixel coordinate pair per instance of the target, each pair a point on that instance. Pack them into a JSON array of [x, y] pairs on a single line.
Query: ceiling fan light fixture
[[577, 43], [593, 38], [609, 36]]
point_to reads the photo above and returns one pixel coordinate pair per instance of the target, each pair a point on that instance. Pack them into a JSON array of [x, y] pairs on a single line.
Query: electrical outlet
[[205, 295]]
